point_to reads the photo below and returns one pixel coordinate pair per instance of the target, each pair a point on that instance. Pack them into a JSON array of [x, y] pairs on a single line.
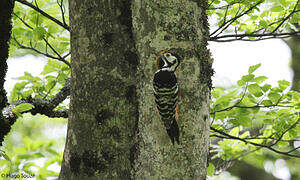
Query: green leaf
[[48, 69], [53, 29], [248, 77], [39, 33], [23, 107], [3, 154], [24, 156], [26, 166], [268, 121], [259, 79], [255, 90], [274, 97], [28, 34], [266, 87], [267, 102], [263, 23], [277, 8], [265, 13], [210, 169], [245, 121], [283, 2], [253, 68], [283, 84], [51, 83], [245, 134], [235, 131], [243, 112], [16, 92], [241, 82], [283, 144], [19, 150], [37, 155]]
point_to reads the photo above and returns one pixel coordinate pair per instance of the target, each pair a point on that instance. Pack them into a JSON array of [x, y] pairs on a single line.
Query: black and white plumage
[[165, 87]]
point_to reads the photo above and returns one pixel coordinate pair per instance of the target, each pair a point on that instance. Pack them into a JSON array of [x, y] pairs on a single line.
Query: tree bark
[[103, 106], [113, 129], [6, 10], [181, 26]]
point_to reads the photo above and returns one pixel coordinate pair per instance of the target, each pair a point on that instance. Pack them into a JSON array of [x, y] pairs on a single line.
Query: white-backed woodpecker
[[165, 88]]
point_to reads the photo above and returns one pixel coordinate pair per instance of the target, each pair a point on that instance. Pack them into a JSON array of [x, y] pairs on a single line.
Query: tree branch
[[62, 59], [258, 36], [45, 107], [225, 24], [33, 49], [62, 9], [62, 24], [234, 37], [256, 106], [287, 17], [228, 136], [225, 6]]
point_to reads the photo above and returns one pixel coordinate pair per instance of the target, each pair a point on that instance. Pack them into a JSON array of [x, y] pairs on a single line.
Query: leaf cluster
[[254, 115], [40, 34], [253, 20], [52, 79]]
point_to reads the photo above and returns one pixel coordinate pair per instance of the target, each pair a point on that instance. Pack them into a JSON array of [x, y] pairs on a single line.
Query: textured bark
[[113, 129], [103, 106], [181, 26], [6, 8]]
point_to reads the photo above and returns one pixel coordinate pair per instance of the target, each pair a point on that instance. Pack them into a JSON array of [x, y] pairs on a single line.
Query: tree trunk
[[181, 26], [294, 44], [246, 171], [6, 10], [103, 106], [113, 129]]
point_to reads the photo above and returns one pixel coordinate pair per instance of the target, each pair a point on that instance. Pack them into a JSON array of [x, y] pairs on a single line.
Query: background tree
[[5, 29], [294, 44], [245, 120]]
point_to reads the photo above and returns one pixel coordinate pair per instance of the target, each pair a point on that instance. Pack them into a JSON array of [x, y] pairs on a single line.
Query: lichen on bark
[[103, 110]]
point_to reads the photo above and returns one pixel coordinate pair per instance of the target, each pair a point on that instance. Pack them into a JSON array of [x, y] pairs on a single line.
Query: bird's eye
[[168, 55]]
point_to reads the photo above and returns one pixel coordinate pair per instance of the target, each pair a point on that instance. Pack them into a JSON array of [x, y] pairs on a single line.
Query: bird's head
[[168, 60]]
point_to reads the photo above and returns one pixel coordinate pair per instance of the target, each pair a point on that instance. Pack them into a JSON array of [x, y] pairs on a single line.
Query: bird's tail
[[172, 130]]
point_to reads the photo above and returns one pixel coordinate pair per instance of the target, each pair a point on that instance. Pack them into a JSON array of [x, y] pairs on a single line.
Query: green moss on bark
[[104, 112]]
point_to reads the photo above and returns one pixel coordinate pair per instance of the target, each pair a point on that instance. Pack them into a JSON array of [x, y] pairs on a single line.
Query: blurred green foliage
[[34, 146]]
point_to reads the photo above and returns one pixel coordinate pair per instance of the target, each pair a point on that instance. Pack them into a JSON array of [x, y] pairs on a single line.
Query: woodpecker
[[165, 88]]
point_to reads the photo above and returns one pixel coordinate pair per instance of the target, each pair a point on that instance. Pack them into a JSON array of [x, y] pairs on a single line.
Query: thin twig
[[287, 17], [65, 26], [225, 6], [62, 9], [33, 49], [47, 44], [228, 136], [229, 22]]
